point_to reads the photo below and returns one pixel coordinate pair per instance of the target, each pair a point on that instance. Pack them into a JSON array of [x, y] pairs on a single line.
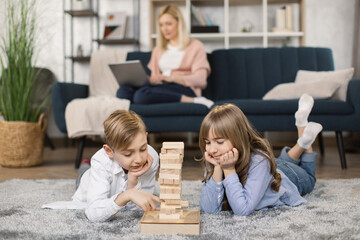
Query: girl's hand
[[210, 159], [229, 159]]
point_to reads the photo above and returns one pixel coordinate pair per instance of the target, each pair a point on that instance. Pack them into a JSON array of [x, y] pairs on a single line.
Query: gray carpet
[[332, 212]]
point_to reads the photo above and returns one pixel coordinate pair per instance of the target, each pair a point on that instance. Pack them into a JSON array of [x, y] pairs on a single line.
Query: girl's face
[[168, 27], [134, 157], [216, 146]]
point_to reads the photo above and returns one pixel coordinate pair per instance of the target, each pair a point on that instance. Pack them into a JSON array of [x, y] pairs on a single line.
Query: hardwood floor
[[59, 163]]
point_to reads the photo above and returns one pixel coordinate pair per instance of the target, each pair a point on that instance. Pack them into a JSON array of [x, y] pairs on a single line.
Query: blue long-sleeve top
[[255, 195]]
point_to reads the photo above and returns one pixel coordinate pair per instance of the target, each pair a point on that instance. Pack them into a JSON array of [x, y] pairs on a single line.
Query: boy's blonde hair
[[121, 127], [229, 122], [183, 35]]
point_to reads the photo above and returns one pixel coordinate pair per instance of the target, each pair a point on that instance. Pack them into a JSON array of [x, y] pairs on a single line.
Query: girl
[[240, 168], [122, 172], [178, 64]]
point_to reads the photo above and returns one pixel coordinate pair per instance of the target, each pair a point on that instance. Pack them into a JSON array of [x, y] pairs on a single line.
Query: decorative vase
[[22, 143], [81, 5]]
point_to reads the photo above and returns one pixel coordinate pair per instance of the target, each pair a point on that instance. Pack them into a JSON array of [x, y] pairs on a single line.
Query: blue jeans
[[149, 94], [301, 172]]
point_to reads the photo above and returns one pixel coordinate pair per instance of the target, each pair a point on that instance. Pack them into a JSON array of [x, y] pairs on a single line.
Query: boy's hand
[[144, 200], [144, 169], [133, 175]]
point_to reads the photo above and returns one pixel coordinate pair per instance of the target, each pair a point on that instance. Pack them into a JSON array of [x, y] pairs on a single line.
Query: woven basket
[[22, 143]]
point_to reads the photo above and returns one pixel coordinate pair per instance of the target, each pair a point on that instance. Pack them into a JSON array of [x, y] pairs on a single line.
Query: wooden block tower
[[171, 159], [171, 218]]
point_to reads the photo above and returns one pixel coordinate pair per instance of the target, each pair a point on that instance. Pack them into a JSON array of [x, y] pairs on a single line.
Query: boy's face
[[134, 157], [217, 146]]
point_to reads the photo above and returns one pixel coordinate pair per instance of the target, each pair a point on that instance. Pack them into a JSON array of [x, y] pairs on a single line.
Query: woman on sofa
[[178, 64], [241, 171]]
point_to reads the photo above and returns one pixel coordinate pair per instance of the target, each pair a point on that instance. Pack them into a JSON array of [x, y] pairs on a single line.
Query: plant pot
[[22, 143]]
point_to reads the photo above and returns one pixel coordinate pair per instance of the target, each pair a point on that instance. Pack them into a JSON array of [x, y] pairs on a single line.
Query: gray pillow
[[340, 76], [316, 89]]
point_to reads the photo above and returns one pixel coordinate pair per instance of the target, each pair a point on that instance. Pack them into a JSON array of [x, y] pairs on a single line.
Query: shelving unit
[[222, 11], [134, 39], [93, 14]]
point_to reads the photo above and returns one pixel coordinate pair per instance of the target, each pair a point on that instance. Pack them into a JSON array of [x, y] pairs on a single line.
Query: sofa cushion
[[169, 109], [271, 107], [341, 76], [318, 89]]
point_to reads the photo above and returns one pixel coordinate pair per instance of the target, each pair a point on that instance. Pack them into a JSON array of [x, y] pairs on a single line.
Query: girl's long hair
[[183, 35], [229, 122]]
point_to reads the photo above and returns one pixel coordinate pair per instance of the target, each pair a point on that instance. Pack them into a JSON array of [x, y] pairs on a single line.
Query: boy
[[122, 173]]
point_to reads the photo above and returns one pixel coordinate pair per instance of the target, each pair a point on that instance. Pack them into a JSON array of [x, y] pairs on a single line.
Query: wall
[[329, 23]]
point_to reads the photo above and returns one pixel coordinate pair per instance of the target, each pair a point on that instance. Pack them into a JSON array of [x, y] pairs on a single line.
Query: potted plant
[[23, 129]]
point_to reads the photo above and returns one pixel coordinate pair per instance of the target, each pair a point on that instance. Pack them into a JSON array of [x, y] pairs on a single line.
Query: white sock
[[204, 101], [306, 102], [309, 135]]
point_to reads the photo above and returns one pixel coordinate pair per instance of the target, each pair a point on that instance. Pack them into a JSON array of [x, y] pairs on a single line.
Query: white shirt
[[102, 183], [170, 60]]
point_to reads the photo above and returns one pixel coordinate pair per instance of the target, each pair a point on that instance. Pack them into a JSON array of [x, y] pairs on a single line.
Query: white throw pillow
[[341, 76], [316, 89]]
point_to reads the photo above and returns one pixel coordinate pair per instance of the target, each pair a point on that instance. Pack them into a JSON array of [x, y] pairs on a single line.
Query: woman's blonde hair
[[183, 35], [121, 127], [229, 122]]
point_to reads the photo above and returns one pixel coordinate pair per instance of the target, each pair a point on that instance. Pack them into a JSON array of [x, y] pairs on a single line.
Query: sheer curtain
[[352, 143], [356, 52]]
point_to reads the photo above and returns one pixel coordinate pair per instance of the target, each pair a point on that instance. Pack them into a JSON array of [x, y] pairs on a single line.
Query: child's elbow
[[94, 217], [242, 212], [208, 209]]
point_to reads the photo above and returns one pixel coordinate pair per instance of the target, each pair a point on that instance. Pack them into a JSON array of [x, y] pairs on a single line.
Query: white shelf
[[222, 8], [246, 35], [285, 34]]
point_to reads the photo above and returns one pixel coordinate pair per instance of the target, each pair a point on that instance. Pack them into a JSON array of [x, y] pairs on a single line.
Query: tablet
[[129, 72]]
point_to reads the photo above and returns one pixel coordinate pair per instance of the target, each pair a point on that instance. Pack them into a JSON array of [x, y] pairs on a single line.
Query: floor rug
[[332, 212]]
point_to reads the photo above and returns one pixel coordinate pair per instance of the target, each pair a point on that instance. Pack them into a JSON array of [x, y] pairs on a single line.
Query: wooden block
[[173, 145], [180, 151], [189, 223], [165, 205], [171, 166], [169, 176], [170, 189], [167, 181], [170, 156], [170, 161], [170, 196], [169, 216], [167, 210], [184, 204], [173, 201], [170, 171]]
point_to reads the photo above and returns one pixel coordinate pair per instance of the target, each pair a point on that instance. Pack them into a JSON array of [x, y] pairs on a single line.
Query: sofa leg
[[321, 143], [80, 151], [340, 144]]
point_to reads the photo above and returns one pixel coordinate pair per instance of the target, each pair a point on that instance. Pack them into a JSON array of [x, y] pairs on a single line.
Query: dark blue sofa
[[242, 77]]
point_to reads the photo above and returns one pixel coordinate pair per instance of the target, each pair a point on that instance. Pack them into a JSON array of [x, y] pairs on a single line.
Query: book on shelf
[[284, 17], [203, 22], [199, 17], [115, 25]]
